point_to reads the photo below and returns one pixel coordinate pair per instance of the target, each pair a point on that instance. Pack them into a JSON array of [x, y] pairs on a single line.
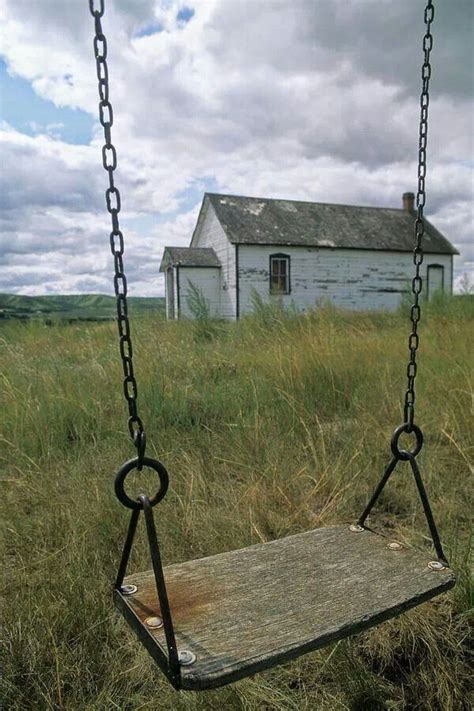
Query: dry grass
[[268, 427]]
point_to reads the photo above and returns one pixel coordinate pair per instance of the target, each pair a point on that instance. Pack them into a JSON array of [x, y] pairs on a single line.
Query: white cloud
[[277, 98]]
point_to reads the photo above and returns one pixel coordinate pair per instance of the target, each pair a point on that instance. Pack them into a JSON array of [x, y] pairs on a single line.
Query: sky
[[297, 99]]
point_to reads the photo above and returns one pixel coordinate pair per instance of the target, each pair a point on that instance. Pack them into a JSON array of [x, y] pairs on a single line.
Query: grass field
[[74, 307], [268, 427]]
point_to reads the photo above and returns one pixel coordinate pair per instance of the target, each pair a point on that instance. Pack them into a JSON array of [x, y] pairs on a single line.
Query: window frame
[[287, 259]]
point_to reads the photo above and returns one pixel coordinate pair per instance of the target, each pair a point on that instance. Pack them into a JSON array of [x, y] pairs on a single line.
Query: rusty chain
[[415, 312], [113, 202]]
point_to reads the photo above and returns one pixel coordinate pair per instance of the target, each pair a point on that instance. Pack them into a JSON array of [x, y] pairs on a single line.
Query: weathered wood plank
[[250, 609], [349, 278], [209, 233]]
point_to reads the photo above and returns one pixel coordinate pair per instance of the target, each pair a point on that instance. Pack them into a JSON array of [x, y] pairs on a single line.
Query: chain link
[[113, 202], [417, 283]]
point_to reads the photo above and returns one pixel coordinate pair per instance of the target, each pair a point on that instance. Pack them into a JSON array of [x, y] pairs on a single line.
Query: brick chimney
[[408, 201]]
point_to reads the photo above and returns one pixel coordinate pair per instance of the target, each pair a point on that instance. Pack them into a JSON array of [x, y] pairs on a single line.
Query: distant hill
[[81, 307]]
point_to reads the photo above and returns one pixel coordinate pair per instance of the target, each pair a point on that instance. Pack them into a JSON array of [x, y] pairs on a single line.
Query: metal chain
[[112, 198], [415, 313]]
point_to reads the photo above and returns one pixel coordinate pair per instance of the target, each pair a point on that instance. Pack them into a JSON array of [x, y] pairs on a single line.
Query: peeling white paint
[[211, 234], [225, 201], [207, 281], [326, 243], [349, 278], [255, 208], [288, 206]]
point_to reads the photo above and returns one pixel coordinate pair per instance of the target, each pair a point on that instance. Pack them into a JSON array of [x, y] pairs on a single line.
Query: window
[[279, 274]]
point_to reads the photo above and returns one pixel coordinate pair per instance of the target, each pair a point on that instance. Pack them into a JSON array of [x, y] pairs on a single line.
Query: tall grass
[[271, 426]]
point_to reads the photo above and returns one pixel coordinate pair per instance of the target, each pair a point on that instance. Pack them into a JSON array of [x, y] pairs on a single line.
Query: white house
[[301, 253]]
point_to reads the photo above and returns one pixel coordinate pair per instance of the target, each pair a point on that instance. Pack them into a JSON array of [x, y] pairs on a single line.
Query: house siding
[[207, 281], [348, 278], [170, 276], [171, 303], [210, 234], [175, 292]]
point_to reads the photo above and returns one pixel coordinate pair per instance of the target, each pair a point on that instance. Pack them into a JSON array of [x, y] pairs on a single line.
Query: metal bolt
[[185, 657], [128, 589], [395, 546], [436, 565], [154, 622], [355, 528]]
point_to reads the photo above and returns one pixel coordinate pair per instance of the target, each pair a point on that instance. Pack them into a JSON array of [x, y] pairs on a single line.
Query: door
[[435, 279], [170, 293]]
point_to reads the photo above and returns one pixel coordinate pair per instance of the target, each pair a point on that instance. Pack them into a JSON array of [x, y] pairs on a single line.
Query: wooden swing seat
[[250, 609]]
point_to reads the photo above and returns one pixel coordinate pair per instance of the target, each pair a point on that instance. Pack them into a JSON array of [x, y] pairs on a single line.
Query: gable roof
[[249, 220], [189, 257]]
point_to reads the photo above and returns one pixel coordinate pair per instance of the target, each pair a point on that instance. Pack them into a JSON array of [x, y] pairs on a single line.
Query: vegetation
[[204, 326], [272, 426], [80, 307]]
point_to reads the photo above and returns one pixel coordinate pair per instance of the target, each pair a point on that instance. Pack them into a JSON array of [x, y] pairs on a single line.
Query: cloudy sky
[[305, 99]]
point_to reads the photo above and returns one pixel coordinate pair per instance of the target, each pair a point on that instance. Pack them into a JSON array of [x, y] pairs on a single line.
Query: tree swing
[[211, 621]]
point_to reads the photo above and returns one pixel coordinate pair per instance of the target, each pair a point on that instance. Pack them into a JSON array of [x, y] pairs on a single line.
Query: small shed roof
[[250, 220], [189, 257]]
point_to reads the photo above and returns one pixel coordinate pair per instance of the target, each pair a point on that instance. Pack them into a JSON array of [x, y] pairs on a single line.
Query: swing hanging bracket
[[407, 456], [170, 663]]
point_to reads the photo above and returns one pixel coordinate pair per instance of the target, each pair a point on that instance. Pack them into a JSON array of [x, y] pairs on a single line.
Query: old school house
[[301, 253]]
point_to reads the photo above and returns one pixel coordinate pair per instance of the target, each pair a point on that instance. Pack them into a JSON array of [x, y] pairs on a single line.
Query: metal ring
[[405, 454], [129, 466]]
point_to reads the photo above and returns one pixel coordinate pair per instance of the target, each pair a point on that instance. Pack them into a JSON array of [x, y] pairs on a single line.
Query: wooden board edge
[[218, 679], [144, 635]]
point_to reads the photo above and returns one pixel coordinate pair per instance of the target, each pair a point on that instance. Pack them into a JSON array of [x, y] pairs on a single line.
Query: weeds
[[204, 326], [275, 425]]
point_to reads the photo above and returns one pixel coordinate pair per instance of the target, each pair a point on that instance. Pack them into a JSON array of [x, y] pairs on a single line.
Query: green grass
[[268, 427], [75, 307]]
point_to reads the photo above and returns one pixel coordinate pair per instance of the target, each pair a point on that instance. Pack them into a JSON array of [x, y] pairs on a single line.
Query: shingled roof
[[249, 220], [189, 257]]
